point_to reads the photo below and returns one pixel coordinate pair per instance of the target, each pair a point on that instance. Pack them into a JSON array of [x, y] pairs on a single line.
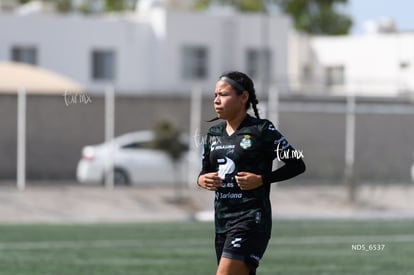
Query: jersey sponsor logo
[[214, 141], [221, 147], [229, 195], [236, 242], [246, 142], [213, 145], [227, 185], [226, 167]]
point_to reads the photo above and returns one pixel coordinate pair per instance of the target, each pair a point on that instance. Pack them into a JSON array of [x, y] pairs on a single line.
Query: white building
[[154, 50], [373, 64], [162, 51]]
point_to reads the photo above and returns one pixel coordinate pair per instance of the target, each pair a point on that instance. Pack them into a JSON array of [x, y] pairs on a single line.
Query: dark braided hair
[[241, 82]]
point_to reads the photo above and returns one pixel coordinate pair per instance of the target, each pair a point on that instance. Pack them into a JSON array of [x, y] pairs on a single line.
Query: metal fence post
[[21, 139], [195, 119], [109, 135], [350, 146]]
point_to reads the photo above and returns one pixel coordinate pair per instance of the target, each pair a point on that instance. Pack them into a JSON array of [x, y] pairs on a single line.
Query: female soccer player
[[237, 165]]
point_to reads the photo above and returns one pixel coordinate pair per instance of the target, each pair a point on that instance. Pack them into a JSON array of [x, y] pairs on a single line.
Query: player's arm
[[208, 178], [283, 151], [248, 181], [210, 181], [292, 167]]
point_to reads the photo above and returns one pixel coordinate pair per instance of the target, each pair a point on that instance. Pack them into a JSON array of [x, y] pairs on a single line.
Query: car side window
[[138, 145]]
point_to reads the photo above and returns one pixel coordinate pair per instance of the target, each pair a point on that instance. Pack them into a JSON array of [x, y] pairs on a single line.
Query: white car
[[134, 161]]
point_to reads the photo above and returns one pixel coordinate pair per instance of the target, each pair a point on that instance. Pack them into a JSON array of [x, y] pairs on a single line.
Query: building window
[[194, 62], [103, 65], [404, 65], [25, 54], [259, 63], [307, 73], [335, 75]]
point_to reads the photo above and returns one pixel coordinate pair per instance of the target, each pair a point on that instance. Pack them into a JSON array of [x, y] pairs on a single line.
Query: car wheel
[[121, 177]]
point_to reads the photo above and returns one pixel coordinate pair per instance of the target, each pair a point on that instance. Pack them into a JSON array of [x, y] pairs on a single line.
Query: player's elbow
[[303, 167], [300, 166]]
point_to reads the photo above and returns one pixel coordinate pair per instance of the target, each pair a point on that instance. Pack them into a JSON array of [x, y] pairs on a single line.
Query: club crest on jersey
[[246, 142]]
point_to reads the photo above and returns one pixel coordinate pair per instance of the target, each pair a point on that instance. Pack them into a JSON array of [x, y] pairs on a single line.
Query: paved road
[[72, 203]]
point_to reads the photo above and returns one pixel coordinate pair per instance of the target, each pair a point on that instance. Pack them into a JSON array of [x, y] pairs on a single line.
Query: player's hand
[[210, 181], [248, 181]]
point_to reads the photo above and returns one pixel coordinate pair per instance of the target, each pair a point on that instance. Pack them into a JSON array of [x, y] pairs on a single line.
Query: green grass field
[[296, 247]]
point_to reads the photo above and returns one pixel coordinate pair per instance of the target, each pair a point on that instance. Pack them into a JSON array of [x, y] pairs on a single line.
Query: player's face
[[227, 103]]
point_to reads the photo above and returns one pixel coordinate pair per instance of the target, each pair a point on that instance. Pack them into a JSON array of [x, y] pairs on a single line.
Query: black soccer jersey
[[251, 148]]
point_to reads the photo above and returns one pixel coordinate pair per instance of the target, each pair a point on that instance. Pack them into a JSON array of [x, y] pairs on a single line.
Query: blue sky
[[402, 11]]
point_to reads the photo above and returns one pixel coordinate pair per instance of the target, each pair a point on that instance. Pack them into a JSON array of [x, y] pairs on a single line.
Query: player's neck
[[234, 123]]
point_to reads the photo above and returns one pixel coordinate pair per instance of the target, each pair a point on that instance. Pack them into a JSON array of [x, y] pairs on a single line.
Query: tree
[[242, 5], [167, 139], [87, 6], [310, 16], [101, 6], [318, 16], [61, 5], [118, 5]]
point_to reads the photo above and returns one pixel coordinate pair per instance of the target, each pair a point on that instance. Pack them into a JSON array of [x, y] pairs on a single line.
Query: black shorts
[[244, 246]]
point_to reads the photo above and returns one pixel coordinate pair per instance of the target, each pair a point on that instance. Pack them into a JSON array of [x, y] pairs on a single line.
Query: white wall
[[148, 50], [372, 61], [65, 44], [147, 45], [227, 37]]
